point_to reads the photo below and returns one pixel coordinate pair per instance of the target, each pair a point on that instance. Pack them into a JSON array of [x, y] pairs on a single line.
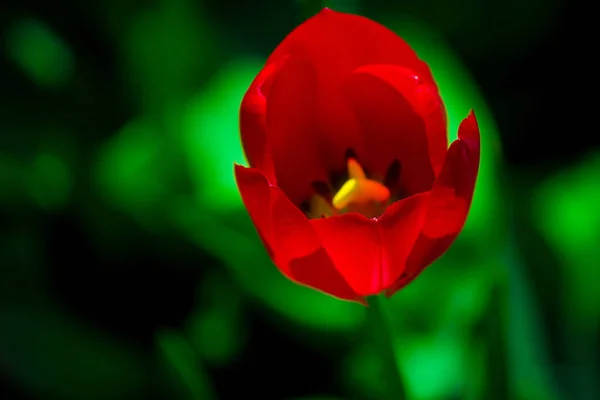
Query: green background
[[130, 269]]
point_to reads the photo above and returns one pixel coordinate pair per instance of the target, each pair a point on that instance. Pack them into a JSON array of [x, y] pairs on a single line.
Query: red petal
[[450, 201], [424, 100], [317, 271], [352, 241], [371, 254], [292, 130], [337, 42], [400, 227], [291, 241], [395, 111], [253, 113]]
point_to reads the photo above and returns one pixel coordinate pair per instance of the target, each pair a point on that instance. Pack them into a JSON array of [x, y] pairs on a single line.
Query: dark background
[[126, 271]]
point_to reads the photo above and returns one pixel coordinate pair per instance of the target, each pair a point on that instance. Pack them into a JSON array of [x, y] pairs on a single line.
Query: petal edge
[[451, 199], [288, 236]]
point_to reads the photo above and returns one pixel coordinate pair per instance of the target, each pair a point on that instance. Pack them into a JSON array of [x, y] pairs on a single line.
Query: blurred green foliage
[[52, 354], [459, 330], [42, 54]]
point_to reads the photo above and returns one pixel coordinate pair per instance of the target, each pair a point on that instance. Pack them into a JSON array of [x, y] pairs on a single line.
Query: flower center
[[358, 194]]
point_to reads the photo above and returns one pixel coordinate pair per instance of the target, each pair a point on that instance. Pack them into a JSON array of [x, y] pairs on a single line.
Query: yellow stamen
[[359, 189]]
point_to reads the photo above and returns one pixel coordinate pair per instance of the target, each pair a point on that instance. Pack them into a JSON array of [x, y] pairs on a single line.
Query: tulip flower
[[352, 186]]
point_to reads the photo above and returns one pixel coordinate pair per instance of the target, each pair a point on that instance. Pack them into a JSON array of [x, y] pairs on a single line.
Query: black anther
[[350, 153], [392, 174]]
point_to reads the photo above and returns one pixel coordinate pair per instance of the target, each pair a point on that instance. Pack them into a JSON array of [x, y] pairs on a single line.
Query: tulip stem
[[383, 336]]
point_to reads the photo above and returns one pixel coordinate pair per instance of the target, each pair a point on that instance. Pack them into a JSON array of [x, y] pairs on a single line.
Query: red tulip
[[352, 187]]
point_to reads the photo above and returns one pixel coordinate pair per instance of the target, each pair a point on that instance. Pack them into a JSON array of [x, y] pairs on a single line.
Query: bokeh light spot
[[130, 168], [211, 134], [40, 52]]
